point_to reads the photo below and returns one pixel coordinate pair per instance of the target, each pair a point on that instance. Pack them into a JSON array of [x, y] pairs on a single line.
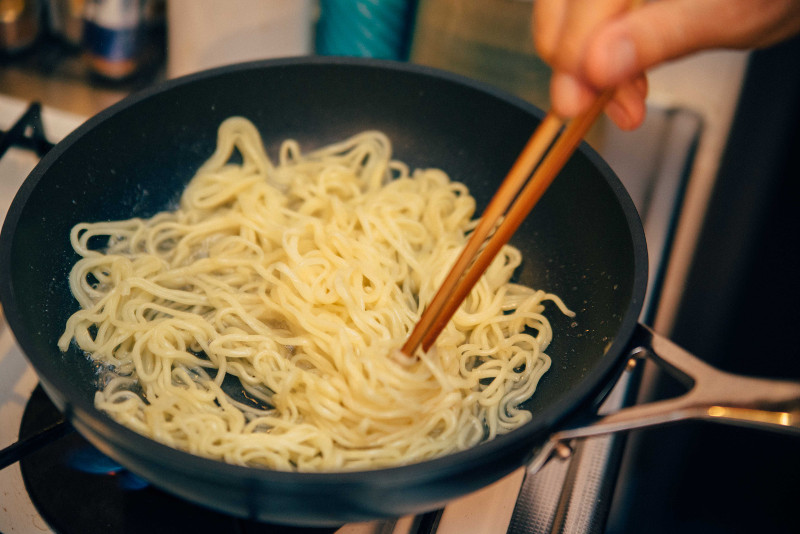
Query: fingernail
[[621, 60], [619, 115], [628, 115], [567, 92]]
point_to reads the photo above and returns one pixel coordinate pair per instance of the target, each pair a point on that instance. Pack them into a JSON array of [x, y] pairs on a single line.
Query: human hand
[[597, 44]]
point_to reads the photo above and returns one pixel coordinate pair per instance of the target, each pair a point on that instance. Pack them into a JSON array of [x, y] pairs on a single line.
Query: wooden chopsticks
[[524, 185]]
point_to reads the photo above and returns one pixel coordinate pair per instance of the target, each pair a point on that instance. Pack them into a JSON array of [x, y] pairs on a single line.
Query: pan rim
[[85, 415]]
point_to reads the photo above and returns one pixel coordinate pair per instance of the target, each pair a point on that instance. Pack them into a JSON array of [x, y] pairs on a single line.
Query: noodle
[[300, 279]]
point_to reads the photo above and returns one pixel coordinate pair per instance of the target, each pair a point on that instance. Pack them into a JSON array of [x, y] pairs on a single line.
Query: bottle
[[19, 25], [113, 34]]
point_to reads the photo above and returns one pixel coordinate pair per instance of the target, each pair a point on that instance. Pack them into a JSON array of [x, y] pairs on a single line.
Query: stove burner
[[77, 489]]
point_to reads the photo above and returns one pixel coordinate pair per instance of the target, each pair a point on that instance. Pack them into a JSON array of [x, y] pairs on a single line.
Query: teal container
[[365, 28]]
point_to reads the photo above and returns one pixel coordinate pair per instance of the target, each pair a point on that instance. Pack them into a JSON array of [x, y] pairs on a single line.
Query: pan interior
[[135, 159]]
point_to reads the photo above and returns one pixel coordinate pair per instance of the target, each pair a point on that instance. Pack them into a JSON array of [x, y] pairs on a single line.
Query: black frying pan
[[583, 241]]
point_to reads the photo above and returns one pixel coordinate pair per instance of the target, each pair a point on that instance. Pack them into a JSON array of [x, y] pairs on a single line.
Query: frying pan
[[583, 241]]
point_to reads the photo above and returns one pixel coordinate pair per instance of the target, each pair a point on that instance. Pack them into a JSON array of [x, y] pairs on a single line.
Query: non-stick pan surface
[[583, 241]]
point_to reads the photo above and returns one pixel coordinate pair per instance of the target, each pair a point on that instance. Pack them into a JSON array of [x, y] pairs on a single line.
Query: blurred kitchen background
[[722, 133]]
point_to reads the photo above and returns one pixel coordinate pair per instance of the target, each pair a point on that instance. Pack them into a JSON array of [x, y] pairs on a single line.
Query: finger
[[548, 17], [569, 96], [628, 107], [570, 93], [580, 21]]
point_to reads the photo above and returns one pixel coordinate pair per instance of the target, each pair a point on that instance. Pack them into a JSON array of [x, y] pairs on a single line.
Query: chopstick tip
[[400, 356]]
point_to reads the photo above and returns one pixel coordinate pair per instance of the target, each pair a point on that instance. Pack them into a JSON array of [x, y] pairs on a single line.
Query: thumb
[[662, 31]]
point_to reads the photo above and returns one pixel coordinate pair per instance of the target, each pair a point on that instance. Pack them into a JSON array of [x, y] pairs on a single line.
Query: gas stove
[[44, 491]]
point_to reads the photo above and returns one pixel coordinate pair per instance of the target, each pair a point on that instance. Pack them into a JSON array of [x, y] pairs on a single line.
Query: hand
[[596, 44]]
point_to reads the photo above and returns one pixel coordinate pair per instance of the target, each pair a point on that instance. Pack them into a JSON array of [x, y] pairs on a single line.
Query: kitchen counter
[[57, 92], [57, 75]]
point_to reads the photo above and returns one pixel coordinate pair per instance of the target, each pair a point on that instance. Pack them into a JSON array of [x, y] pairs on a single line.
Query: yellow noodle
[[301, 278]]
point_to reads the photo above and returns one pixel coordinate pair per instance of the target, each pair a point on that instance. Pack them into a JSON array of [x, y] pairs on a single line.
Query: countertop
[[57, 75]]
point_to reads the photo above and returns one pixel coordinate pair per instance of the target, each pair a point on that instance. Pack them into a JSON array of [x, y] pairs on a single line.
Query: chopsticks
[[522, 188]]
